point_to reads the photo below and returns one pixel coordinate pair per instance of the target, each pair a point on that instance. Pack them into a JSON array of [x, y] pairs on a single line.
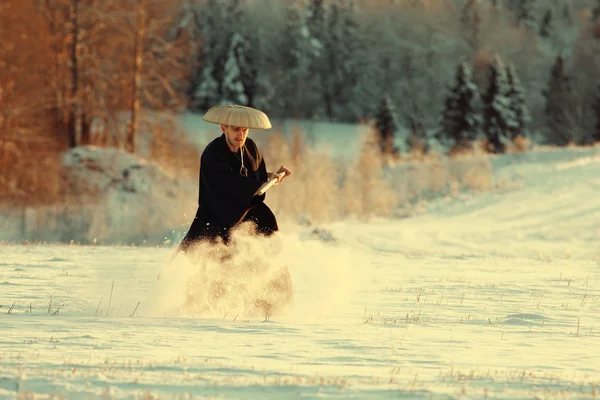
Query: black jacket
[[226, 197]]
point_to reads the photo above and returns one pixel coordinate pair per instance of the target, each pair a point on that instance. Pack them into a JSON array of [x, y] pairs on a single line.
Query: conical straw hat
[[240, 116]]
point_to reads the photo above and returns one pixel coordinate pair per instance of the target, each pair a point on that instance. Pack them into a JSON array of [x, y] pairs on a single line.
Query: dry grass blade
[[110, 299], [135, 309]]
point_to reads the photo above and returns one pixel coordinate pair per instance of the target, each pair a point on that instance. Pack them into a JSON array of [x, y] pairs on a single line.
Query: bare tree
[[96, 79], [161, 67], [62, 20], [25, 134], [140, 17]]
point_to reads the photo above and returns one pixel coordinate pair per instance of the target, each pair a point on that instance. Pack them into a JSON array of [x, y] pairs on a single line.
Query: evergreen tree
[[461, 119], [223, 40], [495, 10], [470, 21], [259, 74], [292, 65], [385, 125], [524, 11], [316, 22], [206, 87], [316, 16], [596, 12], [518, 106], [376, 72], [237, 85], [558, 110], [596, 134], [547, 26], [497, 115], [206, 90], [344, 50], [239, 82], [567, 14]]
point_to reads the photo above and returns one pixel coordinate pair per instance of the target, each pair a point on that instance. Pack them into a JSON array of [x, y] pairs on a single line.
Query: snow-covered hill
[[115, 197]]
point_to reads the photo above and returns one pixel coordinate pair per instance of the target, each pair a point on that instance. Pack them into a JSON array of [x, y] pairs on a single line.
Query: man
[[233, 179], [232, 174]]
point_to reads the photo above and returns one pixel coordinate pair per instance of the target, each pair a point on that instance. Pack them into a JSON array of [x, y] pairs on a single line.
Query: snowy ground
[[492, 296]]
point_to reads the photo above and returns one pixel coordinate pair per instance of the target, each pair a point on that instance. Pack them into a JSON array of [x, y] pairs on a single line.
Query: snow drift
[[112, 197]]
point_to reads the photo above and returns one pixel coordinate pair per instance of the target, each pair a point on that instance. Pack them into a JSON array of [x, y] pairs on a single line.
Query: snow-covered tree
[[567, 14], [495, 10], [547, 25], [227, 74], [524, 11], [361, 85], [333, 59], [497, 115], [292, 61], [316, 22], [461, 118], [558, 111], [470, 20], [518, 106], [596, 12], [344, 51], [248, 52], [375, 70], [206, 87], [188, 22], [207, 90], [236, 87], [386, 126]]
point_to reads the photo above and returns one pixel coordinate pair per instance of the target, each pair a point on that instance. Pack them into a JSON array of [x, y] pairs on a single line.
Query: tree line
[[498, 115], [335, 60], [76, 72]]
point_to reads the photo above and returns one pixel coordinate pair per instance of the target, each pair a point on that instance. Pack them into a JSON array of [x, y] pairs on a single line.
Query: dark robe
[[226, 197]]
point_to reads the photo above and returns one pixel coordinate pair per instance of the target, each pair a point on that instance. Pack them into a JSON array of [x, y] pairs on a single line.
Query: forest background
[[446, 87]]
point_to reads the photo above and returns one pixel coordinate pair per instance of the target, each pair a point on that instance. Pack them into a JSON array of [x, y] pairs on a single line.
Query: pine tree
[[497, 115], [385, 125], [235, 80], [292, 65], [239, 84], [206, 87], [461, 119], [596, 134], [316, 16], [547, 25], [361, 85], [567, 14], [524, 11], [516, 95], [223, 39], [344, 50], [596, 12], [316, 22], [470, 20], [558, 112], [333, 61]]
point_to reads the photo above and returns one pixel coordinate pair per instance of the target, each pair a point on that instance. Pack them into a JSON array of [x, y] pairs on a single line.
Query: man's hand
[[285, 170], [281, 174]]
